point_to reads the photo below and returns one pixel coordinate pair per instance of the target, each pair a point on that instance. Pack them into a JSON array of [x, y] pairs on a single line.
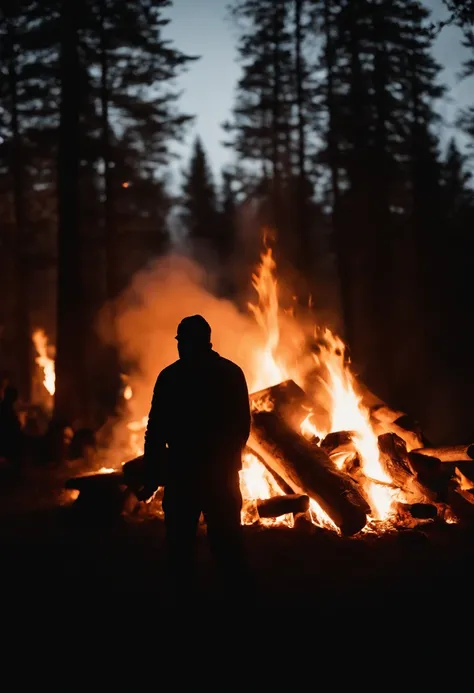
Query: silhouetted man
[[200, 411]]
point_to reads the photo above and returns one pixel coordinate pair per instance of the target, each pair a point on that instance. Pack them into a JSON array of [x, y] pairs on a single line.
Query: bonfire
[[322, 447]]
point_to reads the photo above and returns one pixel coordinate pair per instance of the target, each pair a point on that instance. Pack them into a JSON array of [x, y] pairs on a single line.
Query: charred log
[[341, 449], [449, 453], [431, 474], [101, 497], [338, 439], [307, 469], [388, 420], [419, 511], [412, 439], [394, 458], [282, 505]]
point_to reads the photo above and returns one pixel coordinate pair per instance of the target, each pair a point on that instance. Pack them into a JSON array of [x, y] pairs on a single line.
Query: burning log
[[282, 505], [431, 473], [395, 459], [412, 438], [341, 449], [388, 420], [338, 439], [465, 473], [308, 470], [461, 503], [287, 399], [449, 453]]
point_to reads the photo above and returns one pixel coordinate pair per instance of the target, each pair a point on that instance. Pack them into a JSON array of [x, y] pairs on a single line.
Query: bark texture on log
[[282, 505], [308, 470], [449, 453], [394, 458]]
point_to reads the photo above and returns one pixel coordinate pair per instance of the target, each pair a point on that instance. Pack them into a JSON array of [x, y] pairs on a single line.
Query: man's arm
[[242, 407], [155, 439]]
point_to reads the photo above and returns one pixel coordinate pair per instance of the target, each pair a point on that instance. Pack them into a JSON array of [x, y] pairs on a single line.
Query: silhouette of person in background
[[10, 427], [200, 411], [4, 382]]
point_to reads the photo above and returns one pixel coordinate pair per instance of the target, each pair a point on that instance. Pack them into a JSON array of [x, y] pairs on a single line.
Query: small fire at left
[[45, 360]]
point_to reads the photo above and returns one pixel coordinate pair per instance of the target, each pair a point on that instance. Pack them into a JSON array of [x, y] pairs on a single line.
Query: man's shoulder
[[170, 371], [229, 366]]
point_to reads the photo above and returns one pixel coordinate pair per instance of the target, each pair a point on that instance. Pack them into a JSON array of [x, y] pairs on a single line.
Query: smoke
[[148, 313]]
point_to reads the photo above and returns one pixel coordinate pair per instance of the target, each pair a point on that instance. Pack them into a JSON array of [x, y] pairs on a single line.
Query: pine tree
[[465, 120], [273, 120], [200, 216], [228, 214], [462, 12], [125, 50], [25, 98], [458, 195]]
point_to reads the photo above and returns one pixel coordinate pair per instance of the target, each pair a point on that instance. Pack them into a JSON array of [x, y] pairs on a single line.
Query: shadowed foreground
[[45, 551]]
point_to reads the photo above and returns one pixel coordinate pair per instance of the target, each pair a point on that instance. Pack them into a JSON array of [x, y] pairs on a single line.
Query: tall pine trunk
[[108, 217], [382, 260], [276, 113], [302, 221], [17, 171], [342, 254], [70, 396]]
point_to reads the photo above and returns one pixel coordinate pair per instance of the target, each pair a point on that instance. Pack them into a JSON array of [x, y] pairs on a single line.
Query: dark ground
[[44, 550]]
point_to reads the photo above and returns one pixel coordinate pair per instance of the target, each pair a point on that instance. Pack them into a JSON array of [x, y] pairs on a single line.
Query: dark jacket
[[200, 410]]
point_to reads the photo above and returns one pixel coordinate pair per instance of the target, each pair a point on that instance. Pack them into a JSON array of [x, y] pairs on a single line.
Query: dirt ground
[[44, 550]]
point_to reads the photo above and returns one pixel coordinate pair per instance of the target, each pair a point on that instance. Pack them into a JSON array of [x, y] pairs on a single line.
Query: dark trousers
[[218, 497]]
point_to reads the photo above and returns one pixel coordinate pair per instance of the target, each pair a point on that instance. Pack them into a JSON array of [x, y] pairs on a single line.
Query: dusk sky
[[201, 27]]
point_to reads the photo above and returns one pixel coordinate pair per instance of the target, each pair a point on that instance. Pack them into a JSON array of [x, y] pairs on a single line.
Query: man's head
[[193, 336]]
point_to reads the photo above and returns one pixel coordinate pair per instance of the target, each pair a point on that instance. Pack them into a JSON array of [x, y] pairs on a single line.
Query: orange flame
[[266, 314], [339, 398], [44, 361]]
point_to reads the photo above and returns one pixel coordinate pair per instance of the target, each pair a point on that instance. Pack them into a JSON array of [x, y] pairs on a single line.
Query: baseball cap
[[194, 328]]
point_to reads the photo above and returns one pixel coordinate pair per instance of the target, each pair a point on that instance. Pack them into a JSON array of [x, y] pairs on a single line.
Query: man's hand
[[145, 493]]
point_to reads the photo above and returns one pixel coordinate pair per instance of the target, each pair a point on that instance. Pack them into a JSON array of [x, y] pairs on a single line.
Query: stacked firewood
[[328, 471]]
